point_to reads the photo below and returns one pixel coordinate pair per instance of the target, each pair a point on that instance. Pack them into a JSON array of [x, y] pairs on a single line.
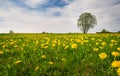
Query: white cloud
[[34, 3], [23, 20]]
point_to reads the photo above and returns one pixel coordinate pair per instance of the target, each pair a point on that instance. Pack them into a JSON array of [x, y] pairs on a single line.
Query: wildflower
[[115, 64], [93, 39], [37, 42], [101, 47], [1, 52], [118, 71], [86, 41], [97, 43], [43, 56], [115, 53], [118, 48], [95, 49], [74, 46], [53, 45], [50, 62], [111, 45], [78, 41], [103, 43], [63, 59], [103, 55], [66, 47], [36, 68], [113, 41], [18, 61]]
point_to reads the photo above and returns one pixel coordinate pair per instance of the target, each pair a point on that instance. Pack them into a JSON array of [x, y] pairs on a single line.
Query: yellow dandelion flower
[[115, 53], [101, 47], [66, 47], [1, 52], [50, 62], [43, 56], [53, 45], [63, 59], [93, 39], [36, 68], [18, 61], [118, 48], [103, 43], [78, 41], [113, 41], [95, 49], [115, 64], [118, 71], [97, 43], [74, 46], [103, 55], [86, 41], [111, 45]]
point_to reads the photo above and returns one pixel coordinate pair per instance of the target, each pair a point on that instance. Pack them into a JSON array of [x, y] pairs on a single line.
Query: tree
[[118, 31], [11, 32], [105, 31], [86, 21]]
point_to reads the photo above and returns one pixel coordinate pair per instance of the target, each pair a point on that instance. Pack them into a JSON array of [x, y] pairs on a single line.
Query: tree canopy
[[86, 21]]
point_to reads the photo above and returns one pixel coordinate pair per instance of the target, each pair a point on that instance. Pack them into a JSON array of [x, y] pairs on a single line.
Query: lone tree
[[11, 32], [86, 21]]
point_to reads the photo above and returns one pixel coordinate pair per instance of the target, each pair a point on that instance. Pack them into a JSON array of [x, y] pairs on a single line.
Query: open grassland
[[60, 55]]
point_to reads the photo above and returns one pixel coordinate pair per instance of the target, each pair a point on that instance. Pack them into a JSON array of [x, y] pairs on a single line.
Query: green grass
[[79, 61]]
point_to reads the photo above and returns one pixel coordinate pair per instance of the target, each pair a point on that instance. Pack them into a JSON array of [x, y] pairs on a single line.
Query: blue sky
[[59, 16]]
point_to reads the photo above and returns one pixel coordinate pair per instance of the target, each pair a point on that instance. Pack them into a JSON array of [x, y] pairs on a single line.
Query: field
[[60, 55]]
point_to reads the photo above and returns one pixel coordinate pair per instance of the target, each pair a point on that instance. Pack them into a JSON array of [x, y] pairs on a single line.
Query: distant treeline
[[105, 31]]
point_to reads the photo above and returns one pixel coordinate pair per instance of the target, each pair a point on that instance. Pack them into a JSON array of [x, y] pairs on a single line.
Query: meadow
[[60, 55]]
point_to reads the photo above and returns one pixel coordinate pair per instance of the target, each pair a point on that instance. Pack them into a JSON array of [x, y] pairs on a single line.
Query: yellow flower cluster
[[103, 55], [1, 52], [36, 68], [43, 56], [115, 53], [103, 43], [95, 49], [18, 61], [115, 64], [118, 48], [51, 63], [74, 46]]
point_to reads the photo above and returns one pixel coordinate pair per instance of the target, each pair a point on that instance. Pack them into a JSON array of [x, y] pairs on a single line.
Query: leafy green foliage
[[86, 21]]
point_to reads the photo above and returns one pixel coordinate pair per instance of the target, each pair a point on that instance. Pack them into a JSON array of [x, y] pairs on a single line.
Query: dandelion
[[95, 49], [111, 45], [63, 59], [101, 47], [97, 43], [115, 53], [53, 45], [115, 64], [18, 61], [43, 56], [103, 55], [66, 47], [118, 48], [118, 71], [37, 42], [36, 68], [103, 43], [93, 39], [86, 41], [78, 41], [74, 46], [113, 41], [51, 63], [1, 52]]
